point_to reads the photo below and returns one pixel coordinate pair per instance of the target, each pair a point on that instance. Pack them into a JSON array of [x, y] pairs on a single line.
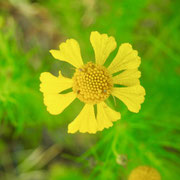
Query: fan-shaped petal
[[126, 58], [129, 77], [69, 52], [132, 96], [105, 116], [53, 84], [102, 45], [56, 103], [85, 121]]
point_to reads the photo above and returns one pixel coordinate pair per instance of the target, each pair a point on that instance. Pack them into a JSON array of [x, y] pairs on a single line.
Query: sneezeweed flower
[[144, 173], [92, 83]]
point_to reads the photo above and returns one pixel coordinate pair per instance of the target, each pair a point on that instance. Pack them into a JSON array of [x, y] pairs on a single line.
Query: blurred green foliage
[[35, 145]]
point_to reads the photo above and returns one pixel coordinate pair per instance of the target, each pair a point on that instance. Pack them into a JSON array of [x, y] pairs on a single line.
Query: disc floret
[[92, 83]]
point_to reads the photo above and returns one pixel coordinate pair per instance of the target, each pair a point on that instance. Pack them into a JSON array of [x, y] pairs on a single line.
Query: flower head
[[92, 83], [144, 173]]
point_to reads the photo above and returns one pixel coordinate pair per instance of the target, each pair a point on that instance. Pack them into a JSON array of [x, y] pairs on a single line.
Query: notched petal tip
[[126, 44], [55, 54], [60, 74], [68, 41], [41, 77], [51, 50], [99, 34], [73, 132], [52, 112], [94, 32]]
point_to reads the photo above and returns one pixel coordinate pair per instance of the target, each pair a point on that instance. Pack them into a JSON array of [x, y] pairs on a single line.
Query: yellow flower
[[144, 173], [93, 83]]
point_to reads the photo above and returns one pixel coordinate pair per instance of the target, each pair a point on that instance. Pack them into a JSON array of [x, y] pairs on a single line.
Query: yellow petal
[[102, 45], [56, 103], [126, 58], [53, 84], [132, 96], [69, 52], [128, 77], [85, 121], [105, 116]]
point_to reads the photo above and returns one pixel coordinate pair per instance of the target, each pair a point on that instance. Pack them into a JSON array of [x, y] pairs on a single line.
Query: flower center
[[92, 83]]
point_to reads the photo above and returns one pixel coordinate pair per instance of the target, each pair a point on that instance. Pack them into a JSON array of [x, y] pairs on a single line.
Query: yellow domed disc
[[144, 173], [92, 83]]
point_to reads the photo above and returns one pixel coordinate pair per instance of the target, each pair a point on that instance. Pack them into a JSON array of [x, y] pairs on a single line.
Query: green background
[[35, 145]]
